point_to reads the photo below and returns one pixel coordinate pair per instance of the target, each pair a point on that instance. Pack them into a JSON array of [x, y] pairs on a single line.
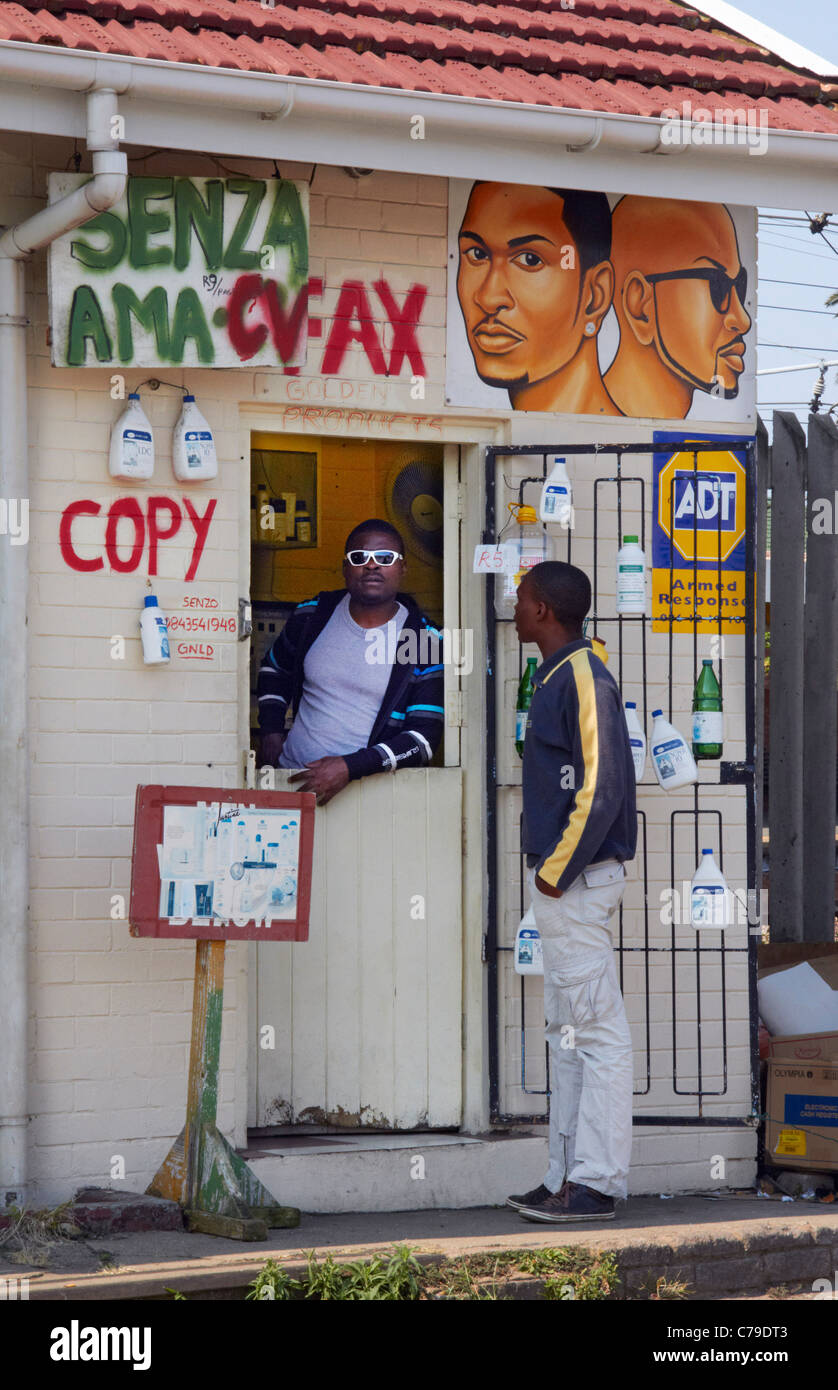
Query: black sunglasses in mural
[[719, 283]]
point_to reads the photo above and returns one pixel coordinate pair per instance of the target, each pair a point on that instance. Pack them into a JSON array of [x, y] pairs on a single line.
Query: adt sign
[[701, 504]]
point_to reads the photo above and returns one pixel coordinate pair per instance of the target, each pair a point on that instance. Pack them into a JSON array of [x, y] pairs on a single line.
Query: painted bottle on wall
[[631, 577], [672, 760], [637, 739], [526, 690], [528, 548], [709, 897], [132, 445], [708, 730], [193, 447]]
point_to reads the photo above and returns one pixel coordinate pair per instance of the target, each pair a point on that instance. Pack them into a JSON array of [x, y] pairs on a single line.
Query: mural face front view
[[584, 304]]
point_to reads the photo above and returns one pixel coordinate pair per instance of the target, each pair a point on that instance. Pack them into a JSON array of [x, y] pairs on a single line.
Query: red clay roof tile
[[634, 57]]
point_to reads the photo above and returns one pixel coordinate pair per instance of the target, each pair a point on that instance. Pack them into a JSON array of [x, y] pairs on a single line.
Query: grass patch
[[397, 1276], [30, 1236]]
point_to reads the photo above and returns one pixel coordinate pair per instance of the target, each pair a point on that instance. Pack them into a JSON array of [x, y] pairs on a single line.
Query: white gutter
[[350, 106], [104, 189]]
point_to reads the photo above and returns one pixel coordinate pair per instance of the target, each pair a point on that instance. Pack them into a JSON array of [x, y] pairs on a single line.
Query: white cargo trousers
[[587, 1033]]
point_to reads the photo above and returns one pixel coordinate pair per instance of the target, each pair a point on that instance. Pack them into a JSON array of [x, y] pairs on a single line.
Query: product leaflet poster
[[221, 868]]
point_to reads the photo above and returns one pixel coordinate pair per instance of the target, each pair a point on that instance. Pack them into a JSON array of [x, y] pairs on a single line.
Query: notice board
[[215, 864]]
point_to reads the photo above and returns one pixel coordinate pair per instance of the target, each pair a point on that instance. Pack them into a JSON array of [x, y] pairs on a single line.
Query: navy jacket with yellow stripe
[[409, 723], [578, 773]]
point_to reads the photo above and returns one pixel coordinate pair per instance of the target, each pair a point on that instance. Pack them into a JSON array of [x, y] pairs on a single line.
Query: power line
[[794, 250], [797, 347], [798, 284], [794, 309]]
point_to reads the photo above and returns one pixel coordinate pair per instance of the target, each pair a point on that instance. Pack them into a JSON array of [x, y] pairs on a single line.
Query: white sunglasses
[[381, 557]]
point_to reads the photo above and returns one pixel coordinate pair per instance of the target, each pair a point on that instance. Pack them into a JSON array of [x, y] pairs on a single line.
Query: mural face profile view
[[534, 284], [680, 302]]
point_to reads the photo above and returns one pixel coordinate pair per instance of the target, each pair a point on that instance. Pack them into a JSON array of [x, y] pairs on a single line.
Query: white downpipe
[[104, 189]]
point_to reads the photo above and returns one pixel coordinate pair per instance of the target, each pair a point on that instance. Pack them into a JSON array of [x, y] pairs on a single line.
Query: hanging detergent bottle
[[193, 447], [637, 739], [631, 577], [556, 495], [526, 690], [710, 904], [154, 632], [599, 648], [707, 714], [132, 446], [529, 955], [529, 547], [672, 760]]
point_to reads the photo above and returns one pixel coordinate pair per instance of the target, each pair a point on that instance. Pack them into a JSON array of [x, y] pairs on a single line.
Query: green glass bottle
[[707, 714], [525, 693]]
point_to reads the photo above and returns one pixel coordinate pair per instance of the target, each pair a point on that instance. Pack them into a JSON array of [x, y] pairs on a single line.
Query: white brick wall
[[111, 1013]]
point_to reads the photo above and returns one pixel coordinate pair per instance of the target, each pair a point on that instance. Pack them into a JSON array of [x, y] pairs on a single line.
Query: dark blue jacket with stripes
[[408, 726]]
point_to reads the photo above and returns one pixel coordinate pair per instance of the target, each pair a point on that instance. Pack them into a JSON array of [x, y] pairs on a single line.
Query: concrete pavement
[[725, 1245]]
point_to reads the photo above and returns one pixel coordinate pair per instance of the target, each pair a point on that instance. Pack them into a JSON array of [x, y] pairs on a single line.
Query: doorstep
[[364, 1172]]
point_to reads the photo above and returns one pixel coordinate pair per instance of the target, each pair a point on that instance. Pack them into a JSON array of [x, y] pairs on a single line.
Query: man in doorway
[[360, 704], [534, 284], [680, 301], [579, 828]]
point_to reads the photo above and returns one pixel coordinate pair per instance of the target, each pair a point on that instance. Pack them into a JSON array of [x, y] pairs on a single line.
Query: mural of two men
[[539, 269]]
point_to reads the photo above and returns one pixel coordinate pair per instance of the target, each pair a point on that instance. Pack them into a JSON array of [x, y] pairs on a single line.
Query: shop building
[[402, 1015]]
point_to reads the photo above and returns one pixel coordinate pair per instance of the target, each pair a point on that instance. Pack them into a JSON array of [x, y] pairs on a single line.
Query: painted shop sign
[[588, 303], [194, 272], [116, 535]]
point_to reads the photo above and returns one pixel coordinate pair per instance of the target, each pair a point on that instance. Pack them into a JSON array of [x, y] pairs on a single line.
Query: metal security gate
[[686, 969]]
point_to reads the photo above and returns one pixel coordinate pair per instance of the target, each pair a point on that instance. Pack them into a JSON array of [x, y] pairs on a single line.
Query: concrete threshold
[[728, 1245]]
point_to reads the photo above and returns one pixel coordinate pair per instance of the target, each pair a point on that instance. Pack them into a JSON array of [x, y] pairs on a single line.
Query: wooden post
[[202, 1171], [761, 483], [820, 669], [785, 786]]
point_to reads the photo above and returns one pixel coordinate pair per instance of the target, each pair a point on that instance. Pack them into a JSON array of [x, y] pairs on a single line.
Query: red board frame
[[144, 910]]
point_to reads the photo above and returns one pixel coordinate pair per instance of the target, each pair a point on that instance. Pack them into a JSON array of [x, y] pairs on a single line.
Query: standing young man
[[580, 826]]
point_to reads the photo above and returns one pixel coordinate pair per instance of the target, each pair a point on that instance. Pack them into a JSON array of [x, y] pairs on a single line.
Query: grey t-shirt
[[342, 687]]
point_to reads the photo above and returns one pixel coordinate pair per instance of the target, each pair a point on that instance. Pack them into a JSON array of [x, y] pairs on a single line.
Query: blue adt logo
[[707, 503]]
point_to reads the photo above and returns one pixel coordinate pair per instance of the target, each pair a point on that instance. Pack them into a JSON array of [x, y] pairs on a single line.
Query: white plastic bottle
[[556, 495], [529, 955], [709, 897], [672, 760], [637, 739], [154, 632], [193, 447], [631, 577], [132, 445]]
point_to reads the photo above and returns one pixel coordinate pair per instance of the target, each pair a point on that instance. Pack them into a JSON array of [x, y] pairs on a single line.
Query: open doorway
[[366, 1016]]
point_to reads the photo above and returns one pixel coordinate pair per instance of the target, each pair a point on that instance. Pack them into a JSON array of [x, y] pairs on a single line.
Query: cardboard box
[[797, 985], [802, 1124], [805, 1047]]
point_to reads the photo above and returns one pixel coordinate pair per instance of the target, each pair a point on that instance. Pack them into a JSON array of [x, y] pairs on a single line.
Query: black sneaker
[[573, 1203], [529, 1199]]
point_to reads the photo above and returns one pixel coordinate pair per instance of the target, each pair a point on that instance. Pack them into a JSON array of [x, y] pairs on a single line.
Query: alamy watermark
[[733, 907], [14, 519], [723, 125], [446, 646]]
